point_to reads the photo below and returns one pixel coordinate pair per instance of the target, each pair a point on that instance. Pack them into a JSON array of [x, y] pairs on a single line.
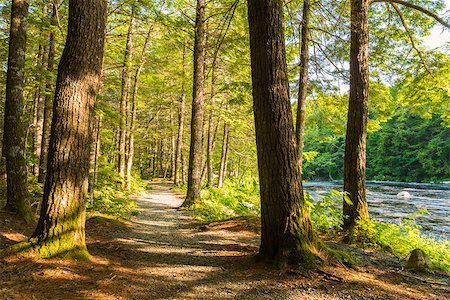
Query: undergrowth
[[111, 198], [241, 198]]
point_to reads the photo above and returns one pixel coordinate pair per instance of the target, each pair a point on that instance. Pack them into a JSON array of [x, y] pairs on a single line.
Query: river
[[393, 201]]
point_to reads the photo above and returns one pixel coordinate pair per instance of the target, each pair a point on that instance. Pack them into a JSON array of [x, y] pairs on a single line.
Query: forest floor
[[163, 253]]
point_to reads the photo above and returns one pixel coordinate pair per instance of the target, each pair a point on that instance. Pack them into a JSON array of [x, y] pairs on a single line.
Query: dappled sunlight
[[165, 254]]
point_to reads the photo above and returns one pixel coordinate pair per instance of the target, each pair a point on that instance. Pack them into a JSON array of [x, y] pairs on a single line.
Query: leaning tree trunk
[[196, 150], [61, 226], [355, 143], [14, 127], [303, 82], [287, 235], [48, 99]]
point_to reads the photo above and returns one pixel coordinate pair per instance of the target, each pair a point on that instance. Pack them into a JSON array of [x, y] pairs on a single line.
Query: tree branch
[[418, 8], [410, 35]]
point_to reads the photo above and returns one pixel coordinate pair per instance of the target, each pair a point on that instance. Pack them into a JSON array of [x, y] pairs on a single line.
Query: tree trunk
[[125, 97], [38, 110], [14, 127], [355, 143], [210, 145], [286, 232], [95, 153], [196, 148], [224, 160], [178, 178], [303, 82], [61, 226], [48, 100]]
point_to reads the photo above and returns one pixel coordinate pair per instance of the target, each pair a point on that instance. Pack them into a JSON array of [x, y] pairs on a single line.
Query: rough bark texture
[[196, 149], [355, 143], [48, 100], [125, 98], [14, 127], [61, 226], [303, 82], [286, 232], [224, 159]]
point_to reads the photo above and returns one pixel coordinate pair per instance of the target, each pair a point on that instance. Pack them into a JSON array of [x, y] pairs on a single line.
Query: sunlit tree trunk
[[14, 127], [286, 231], [303, 81], [224, 159], [61, 226], [210, 144], [48, 98], [125, 97], [355, 143], [196, 148], [38, 110], [178, 172]]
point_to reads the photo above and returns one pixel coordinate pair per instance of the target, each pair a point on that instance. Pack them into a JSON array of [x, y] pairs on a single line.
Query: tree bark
[[196, 148], [355, 143], [61, 226], [303, 82], [224, 159], [125, 97], [14, 128], [48, 100], [287, 235]]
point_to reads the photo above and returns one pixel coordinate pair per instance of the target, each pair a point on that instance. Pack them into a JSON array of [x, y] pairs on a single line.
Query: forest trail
[[163, 253]]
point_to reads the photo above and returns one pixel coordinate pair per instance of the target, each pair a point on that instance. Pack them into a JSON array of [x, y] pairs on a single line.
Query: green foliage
[[409, 148], [326, 212], [401, 239], [110, 198], [236, 198]]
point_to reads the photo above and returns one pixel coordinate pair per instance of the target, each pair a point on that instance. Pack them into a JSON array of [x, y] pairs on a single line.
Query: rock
[[404, 194], [418, 261]]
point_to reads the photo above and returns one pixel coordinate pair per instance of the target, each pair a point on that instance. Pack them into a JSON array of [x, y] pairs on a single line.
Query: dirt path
[[165, 254]]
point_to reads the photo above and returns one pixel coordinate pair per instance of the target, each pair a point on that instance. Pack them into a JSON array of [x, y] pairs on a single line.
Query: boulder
[[418, 261]]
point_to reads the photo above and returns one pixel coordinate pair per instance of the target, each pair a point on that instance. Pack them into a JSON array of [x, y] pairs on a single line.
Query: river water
[[393, 201]]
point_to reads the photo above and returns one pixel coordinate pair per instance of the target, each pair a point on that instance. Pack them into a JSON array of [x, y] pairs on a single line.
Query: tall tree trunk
[[14, 127], [286, 233], [355, 142], [210, 145], [196, 148], [224, 159], [178, 178], [61, 226], [38, 110], [172, 144], [303, 82], [125, 97], [48, 99], [95, 153]]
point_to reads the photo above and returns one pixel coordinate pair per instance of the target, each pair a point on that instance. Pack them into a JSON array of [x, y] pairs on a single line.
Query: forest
[[225, 149]]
